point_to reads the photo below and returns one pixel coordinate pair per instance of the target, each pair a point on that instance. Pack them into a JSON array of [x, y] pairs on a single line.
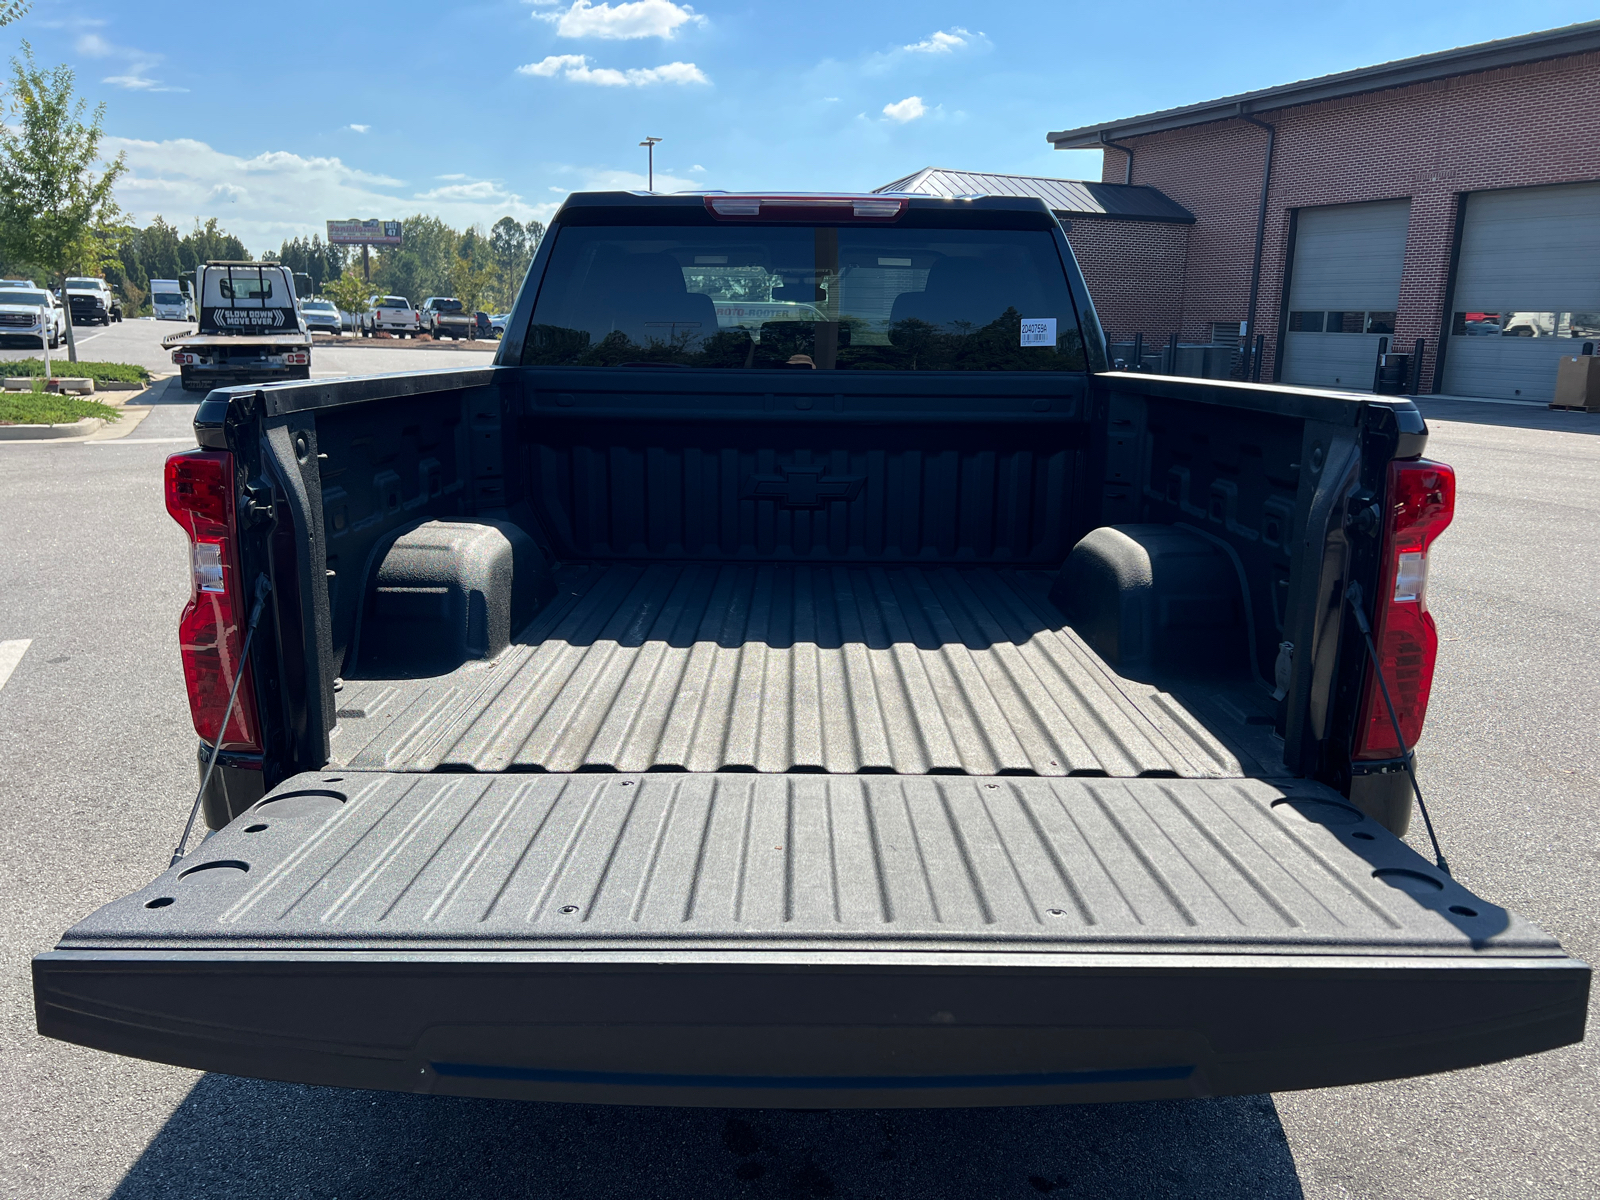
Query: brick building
[[1453, 198], [1131, 242]]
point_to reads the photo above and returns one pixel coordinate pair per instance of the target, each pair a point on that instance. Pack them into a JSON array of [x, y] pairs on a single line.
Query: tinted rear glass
[[820, 298], [246, 287], [394, 302], [447, 306]]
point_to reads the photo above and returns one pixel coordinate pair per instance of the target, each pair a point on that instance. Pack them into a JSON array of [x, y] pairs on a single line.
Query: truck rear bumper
[[808, 941]]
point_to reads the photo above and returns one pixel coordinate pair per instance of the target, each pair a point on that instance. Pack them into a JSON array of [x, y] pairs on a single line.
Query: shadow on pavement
[[169, 391], [1508, 416], [238, 1137]]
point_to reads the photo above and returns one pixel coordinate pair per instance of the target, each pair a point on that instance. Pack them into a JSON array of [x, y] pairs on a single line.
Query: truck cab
[[168, 301]]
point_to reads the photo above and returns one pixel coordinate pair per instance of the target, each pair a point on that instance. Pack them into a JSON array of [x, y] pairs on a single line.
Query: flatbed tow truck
[[250, 330]]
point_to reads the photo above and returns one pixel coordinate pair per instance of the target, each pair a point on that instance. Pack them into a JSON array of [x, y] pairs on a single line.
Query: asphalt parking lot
[[139, 342], [97, 771]]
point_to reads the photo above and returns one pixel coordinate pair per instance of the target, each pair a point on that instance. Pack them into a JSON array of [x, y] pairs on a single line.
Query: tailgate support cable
[[263, 586], [1354, 596]]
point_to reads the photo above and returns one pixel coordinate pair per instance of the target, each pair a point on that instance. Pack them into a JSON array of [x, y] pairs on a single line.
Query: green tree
[[349, 293], [14, 10], [56, 210], [472, 273], [511, 246], [157, 245], [421, 265], [210, 243]]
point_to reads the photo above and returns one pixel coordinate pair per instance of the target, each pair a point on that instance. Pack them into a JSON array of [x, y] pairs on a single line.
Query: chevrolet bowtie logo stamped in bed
[[807, 486]]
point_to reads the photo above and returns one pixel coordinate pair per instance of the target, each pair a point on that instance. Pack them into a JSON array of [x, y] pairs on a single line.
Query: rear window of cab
[[805, 298]]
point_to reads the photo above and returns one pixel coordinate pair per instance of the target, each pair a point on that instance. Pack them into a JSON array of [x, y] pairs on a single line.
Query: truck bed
[[837, 669], [860, 940]]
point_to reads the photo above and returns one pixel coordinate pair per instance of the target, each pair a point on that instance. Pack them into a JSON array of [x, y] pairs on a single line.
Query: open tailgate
[[808, 941]]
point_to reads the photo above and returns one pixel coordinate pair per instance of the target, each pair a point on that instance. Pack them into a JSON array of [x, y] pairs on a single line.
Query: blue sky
[[276, 116]]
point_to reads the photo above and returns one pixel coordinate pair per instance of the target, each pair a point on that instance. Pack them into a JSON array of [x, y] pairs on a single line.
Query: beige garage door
[[1343, 291], [1527, 290]]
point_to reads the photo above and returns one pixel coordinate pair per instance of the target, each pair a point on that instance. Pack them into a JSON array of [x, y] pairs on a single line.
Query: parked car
[[30, 318], [497, 322], [390, 314], [824, 723], [322, 316], [446, 317], [484, 326], [91, 301], [17, 283]]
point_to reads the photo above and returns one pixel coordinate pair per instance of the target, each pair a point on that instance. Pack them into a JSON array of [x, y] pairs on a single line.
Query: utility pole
[[650, 148]]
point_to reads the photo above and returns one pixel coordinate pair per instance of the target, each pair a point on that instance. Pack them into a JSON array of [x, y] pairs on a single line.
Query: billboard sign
[[364, 233]]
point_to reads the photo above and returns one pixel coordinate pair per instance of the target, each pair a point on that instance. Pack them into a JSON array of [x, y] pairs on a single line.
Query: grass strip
[[45, 408], [111, 372]]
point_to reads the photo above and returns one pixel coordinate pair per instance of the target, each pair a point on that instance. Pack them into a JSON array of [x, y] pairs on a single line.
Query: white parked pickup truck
[[390, 314], [30, 316]]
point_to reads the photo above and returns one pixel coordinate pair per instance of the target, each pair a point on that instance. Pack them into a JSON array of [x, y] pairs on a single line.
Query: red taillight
[[184, 360], [297, 358], [806, 208], [1420, 503], [199, 487]]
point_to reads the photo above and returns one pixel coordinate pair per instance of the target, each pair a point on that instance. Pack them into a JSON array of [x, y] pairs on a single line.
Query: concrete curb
[[25, 433]]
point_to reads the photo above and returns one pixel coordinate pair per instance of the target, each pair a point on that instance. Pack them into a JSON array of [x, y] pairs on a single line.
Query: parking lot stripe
[[10, 655], [132, 441]]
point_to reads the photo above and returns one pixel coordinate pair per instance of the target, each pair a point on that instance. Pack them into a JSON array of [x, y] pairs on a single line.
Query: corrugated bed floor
[[843, 670]]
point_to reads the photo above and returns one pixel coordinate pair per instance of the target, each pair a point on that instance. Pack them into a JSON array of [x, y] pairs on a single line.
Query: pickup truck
[[90, 301], [251, 329], [390, 314], [30, 317], [446, 317], [888, 708]]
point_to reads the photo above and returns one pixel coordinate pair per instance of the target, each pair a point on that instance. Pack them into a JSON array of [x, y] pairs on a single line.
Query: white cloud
[[697, 169], [941, 41], [905, 110], [553, 65], [639, 19], [358, 128], [135, 76], [576, 68], [278, 195], [609, 179], [141, 83]]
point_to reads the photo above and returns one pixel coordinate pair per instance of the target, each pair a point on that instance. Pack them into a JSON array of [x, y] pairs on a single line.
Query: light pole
[[650, 148]]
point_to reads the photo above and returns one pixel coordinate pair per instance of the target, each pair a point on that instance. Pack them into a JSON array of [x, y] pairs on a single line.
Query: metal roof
[[1066, 197], [1485, 56]]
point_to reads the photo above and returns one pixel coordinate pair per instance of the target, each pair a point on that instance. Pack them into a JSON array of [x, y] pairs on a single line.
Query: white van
[[168, 301]]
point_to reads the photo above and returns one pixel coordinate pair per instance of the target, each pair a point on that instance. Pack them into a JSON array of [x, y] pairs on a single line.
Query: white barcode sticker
[[1038, 331]]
